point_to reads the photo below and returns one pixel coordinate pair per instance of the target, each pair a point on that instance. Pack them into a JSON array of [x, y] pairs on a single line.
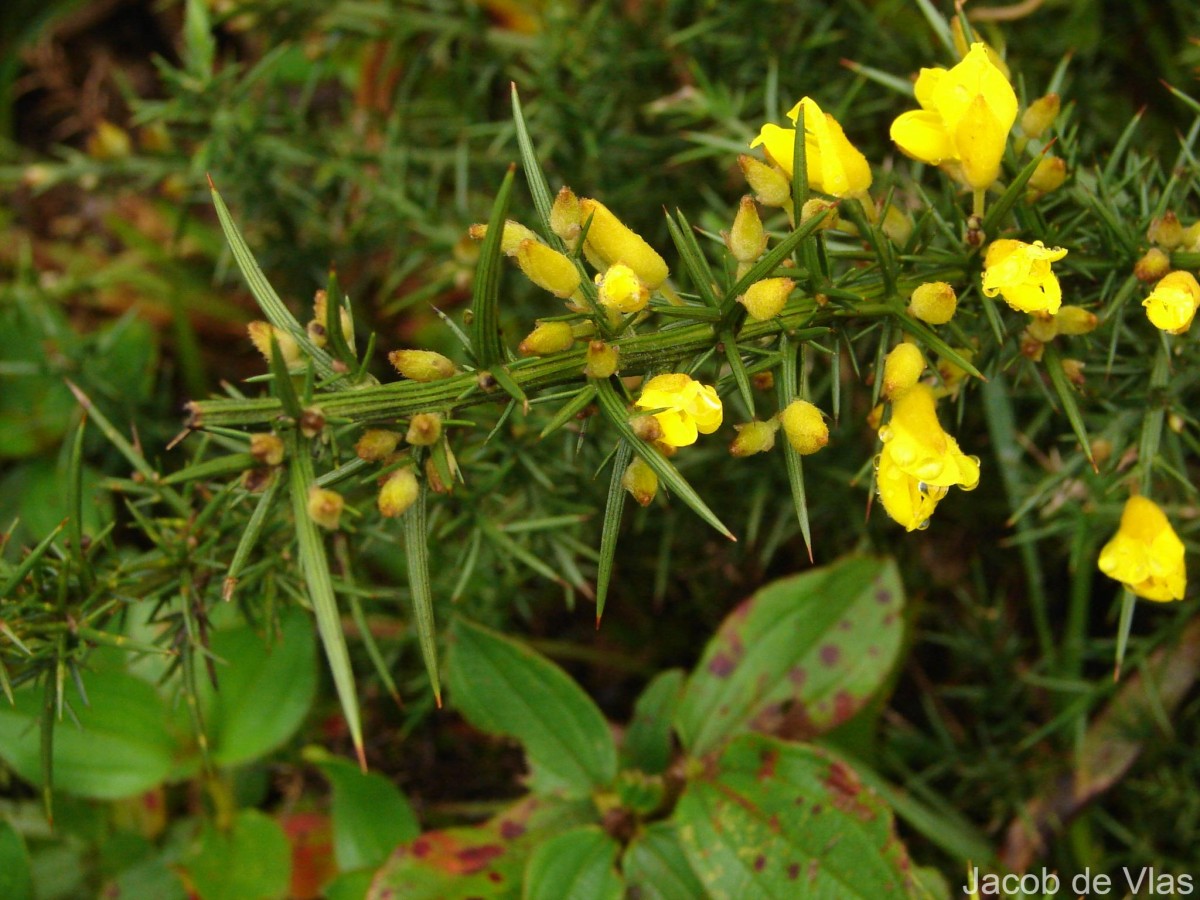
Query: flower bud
[[804, 427], [422, 365], [260, 335], [747, 239], [614, 242], [514, 233], [1042, 328], [815, 207], [266, 448], [897, 225], [312, 422], [1153, 266], [1076, 320], [108, 141], [1040, 115], [764, 299], [875, 417], [933, 302], [1102, 450], [547, 268], [1191, 237], [325, 507], [647, 428], [1073, 369], [754, 437], [952, 374], [547, 338], [255, 481], [622, 290], [771, 187], [376, 444], [902, 369], [565, 218], [1031, 347], [601, 360], [1049, 176], [316, 328], [1166, 231], [155, 138], [641, 481], [398, 493], [424, 429]]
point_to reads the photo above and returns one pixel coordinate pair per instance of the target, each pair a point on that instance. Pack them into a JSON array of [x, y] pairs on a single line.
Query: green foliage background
[[366, 137]]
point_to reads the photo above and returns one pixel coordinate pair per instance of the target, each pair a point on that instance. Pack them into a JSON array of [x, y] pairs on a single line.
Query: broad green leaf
[[120, 746], [16, 880], [37, 487], [250, 861], [774, 819], [482, 862], [647, 743], [370, 815], [503, 687], [798, 658], [656, 866], [576, 865], [263, 693], [35, 406], [349, 886], [150, 877]]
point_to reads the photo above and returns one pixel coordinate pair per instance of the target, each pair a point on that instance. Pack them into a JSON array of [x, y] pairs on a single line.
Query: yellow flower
[[1021, 274], [919, 461], [1172, 304], [622, 290], [964, 119], [686, 407], [834, 165], [1145, 554]]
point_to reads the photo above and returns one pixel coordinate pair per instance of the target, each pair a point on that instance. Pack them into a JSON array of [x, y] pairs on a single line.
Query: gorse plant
[[852, 336]]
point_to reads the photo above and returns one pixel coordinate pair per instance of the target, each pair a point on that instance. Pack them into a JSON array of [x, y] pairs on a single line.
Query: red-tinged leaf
[[798, 658], [776, 819], [486, 861], [310, 835]]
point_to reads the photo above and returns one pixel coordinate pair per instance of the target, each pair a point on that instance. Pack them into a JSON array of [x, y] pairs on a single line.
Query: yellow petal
[[780, 144], [979, 142], [927, 85], [902, 495], [975, 77], [679, 430], [706, 409], [922, 135]]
